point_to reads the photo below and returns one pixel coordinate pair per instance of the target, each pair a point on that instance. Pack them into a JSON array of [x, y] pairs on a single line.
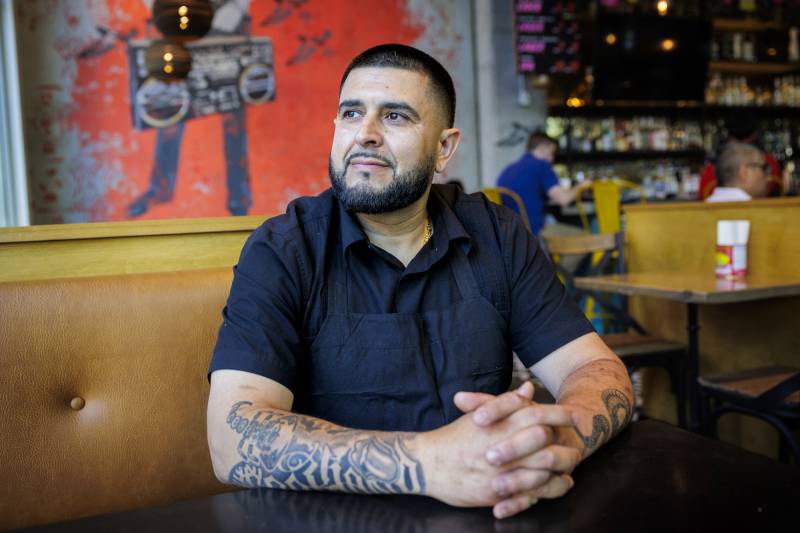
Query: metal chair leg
[[714, 412], [679, 390], [785, 434]]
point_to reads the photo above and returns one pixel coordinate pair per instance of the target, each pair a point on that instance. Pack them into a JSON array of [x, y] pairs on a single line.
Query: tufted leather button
[[77, 403]]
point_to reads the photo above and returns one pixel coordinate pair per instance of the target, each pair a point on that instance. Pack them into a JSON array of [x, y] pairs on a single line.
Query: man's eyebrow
[[401, 106], [349, 103], [390, 105]]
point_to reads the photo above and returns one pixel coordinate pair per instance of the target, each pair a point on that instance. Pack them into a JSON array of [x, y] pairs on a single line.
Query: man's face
[[386, 139], [546, 152], [753, 176]]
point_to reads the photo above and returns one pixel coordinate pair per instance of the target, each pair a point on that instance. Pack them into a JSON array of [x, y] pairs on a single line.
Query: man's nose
[[370, 132]]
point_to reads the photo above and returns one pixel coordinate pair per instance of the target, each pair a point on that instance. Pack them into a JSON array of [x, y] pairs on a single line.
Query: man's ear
[[448, 144]]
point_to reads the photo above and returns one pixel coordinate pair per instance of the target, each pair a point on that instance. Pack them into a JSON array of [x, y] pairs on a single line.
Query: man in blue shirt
[[533, 179], [366, 342]]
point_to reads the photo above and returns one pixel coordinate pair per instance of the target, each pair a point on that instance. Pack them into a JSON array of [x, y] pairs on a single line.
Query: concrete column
[[507, 107]]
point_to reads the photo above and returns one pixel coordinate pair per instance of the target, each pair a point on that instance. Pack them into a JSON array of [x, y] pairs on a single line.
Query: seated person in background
[[533, 179], [365, 322], [741, 172], [742, 127]]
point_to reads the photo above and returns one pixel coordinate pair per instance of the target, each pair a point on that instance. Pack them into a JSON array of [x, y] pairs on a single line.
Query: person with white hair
[[742, 174]]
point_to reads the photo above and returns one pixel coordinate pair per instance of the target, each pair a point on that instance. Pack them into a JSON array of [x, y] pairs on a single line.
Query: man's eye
[[349, 114], [393, 116]]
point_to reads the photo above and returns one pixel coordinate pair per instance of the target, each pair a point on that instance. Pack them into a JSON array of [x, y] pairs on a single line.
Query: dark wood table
[[693, 289], [652, 477]]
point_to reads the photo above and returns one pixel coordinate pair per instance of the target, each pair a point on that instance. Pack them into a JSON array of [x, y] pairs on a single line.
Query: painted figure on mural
[[230, 18], [88, 102]]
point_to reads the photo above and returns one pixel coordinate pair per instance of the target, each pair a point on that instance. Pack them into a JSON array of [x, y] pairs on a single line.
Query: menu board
[[227, 72], [548, 37]]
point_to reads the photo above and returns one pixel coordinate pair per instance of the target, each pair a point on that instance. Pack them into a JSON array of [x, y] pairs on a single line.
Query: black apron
[[399, 371]]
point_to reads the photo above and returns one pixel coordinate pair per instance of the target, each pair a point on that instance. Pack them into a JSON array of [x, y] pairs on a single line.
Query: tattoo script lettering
[[619, 414], [290, 451]]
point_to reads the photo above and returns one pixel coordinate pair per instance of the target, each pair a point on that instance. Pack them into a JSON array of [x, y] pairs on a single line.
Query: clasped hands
[[504, 452]]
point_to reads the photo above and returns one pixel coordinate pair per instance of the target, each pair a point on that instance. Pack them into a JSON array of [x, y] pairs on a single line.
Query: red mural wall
[[88, 162]]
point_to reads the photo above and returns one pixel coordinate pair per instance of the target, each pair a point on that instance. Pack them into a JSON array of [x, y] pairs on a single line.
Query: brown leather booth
[[103, 390]]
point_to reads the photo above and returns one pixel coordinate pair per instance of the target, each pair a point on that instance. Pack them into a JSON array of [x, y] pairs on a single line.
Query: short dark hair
[[539, 137], [410, 58]]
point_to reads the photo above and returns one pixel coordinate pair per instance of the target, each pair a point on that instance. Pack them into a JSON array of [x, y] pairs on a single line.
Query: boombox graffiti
[[227, 72]]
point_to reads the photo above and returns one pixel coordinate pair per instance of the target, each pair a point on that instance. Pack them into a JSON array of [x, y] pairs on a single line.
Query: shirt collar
[[728, 194], [446, 226], [444, 218], [350, 228]]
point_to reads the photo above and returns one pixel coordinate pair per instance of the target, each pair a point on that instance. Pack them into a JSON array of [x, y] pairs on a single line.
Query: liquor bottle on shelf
[[622, 135], [664, 180], [793, 179], [794, 45], [776, 138], [749, 48], [738, 39], [737, 91]]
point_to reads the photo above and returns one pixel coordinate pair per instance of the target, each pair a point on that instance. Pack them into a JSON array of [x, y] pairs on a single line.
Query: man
[[742, 174], [363, 322], [742, 127], [533, 179]]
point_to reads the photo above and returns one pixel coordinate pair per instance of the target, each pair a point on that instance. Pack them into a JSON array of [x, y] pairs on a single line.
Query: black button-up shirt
[[276, 303]]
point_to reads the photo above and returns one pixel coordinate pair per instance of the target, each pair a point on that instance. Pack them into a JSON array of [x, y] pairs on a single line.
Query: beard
[[404, 189]]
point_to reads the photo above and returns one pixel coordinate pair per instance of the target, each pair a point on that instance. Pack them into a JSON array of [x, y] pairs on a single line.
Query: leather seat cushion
[[135, 348]]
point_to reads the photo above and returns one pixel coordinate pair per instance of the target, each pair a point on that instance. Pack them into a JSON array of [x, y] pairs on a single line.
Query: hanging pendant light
[[183, 20], [168, 61]]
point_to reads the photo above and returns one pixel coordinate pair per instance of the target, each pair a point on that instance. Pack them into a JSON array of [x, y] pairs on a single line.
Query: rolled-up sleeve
[[261, 320], [543, 317]]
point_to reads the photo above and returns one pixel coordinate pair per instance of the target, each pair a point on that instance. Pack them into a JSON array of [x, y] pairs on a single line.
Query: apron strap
[[334, 296], [336, 287], [490, 269], [463, 273]]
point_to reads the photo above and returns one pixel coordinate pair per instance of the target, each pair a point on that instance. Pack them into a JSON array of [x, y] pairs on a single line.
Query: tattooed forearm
[[619, 414], [291, 451]]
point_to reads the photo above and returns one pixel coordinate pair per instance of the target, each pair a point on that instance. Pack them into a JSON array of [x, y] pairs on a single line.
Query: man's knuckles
[[469, 401], [551, 415], [544, 459], [520, 480], [540, 435], [556, 487], [573, 457], [499, 408], [514, 505], [522, 443], [554, 458]]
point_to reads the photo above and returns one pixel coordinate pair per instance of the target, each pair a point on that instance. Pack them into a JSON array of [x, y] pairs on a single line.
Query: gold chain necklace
[[428, 231]]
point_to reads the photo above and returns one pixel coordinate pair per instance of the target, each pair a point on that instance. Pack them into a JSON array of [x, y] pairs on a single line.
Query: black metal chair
[[771, 394], [634, 346]]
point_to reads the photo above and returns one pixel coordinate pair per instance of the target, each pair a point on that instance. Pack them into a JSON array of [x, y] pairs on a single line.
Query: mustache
[[370, 155]]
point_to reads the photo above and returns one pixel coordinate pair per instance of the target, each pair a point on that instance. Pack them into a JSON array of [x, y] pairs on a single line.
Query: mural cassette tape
[[227, 72]]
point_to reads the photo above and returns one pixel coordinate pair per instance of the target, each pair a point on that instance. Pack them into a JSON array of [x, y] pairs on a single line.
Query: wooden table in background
[[693, 289]]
